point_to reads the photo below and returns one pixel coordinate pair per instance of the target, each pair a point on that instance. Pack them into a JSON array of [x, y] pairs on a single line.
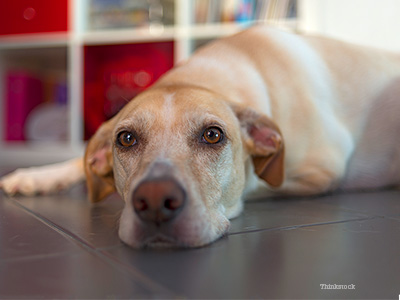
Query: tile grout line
[[394, 217], [292, 227], [32, 257], [137, 275]]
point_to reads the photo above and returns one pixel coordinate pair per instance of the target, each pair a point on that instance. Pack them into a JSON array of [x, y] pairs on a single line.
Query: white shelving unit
[[72, 43]]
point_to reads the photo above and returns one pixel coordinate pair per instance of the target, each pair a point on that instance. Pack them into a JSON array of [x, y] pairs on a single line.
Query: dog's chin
[[162, 240]]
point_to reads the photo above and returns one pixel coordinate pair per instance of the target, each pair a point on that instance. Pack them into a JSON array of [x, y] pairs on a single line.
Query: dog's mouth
[[161, 241]]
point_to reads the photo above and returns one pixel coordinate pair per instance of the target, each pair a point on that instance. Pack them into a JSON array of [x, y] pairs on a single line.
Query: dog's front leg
[[43, 180], [311, 180]]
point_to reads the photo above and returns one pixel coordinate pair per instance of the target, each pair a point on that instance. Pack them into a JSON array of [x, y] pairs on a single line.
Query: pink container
[[23, 93]]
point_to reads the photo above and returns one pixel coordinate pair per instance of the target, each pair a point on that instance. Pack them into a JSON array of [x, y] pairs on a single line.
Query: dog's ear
[[264, 142], [99, 164]]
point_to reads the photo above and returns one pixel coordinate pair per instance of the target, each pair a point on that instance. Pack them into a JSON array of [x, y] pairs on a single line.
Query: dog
[[261, 110]]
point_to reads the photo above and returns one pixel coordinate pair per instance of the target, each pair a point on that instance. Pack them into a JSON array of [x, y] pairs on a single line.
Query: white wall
[[370, 22]]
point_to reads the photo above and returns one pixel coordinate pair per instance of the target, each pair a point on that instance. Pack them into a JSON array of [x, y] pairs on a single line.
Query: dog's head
[[178, 157]]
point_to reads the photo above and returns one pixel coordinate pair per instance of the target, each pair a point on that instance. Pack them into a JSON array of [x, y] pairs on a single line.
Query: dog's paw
[[42, 180], [21, 181]]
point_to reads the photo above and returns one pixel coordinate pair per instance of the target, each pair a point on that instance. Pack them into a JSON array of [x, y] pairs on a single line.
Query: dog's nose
[[158, 201]]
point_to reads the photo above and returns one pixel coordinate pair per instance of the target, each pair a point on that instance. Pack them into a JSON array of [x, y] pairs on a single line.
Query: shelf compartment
[[33, 16], [118, 14], [35, 94], [114, 74]]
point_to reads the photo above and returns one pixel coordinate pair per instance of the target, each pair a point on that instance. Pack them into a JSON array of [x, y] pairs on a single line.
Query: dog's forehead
[[176, 105]]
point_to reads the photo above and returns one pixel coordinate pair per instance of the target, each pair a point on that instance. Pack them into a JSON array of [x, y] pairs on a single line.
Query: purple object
[[61, 94]]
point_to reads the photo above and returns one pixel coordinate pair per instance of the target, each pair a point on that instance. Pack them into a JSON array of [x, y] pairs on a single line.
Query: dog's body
[[305, 114]]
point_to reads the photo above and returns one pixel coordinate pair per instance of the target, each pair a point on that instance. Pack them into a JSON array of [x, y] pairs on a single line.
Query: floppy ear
[[99, 164], [264, 142]]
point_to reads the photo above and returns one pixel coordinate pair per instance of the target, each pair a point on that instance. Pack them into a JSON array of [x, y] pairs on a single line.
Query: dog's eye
[[126, 139], [212, 135]]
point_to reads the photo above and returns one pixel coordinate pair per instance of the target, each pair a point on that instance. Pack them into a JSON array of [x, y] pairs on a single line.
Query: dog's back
[[335, 103]]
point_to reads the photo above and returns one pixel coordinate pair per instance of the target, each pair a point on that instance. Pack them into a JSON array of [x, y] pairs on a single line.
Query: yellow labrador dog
[[305, 115]]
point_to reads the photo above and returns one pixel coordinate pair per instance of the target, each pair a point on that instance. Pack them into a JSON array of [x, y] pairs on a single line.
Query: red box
[[33, 16], [114, 74]]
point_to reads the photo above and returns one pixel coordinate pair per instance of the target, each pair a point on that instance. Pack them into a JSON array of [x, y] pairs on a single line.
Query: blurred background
[[68, 65]]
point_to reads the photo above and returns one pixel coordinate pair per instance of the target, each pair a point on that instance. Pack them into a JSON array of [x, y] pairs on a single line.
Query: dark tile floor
[[63, 247]]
